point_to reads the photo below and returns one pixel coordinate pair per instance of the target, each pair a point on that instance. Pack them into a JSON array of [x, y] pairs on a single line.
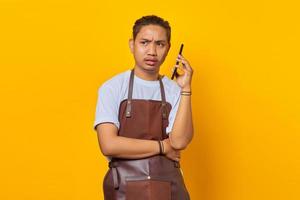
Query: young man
[[143, 120]]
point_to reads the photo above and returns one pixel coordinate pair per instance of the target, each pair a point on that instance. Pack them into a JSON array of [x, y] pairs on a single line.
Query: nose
[[152, 50]]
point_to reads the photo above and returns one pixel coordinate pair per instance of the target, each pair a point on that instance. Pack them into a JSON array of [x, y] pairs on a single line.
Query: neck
[[146, 75]]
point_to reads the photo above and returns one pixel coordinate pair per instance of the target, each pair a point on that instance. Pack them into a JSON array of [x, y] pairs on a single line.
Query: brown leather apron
[[152, 178]]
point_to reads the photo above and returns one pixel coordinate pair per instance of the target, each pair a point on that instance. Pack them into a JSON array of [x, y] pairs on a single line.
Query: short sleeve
[[173, 112], [107, 107]]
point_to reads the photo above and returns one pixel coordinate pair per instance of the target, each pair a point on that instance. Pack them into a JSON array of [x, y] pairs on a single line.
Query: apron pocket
[[147, 188]]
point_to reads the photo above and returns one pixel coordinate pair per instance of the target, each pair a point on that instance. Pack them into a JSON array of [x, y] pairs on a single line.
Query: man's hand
[[184, 80], [170, 152]]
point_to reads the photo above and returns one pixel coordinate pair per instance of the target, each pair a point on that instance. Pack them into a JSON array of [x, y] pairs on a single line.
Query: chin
[[151, 69]]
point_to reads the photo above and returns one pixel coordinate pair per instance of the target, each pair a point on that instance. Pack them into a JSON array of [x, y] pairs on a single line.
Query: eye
[[143, 42], [161, 44]]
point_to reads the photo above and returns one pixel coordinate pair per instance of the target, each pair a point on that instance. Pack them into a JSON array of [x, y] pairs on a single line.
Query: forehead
[[152, 31]]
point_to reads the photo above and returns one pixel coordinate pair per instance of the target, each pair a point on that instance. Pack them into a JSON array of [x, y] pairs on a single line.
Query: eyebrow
[[155, 41]]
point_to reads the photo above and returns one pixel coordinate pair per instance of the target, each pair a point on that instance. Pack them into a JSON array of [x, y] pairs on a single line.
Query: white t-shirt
[[112, 92]]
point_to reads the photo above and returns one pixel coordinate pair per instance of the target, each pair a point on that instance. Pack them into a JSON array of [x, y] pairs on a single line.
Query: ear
[[131, 45]]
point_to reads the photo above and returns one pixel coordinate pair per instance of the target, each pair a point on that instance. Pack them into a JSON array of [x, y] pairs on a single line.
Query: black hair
[[151, 20]]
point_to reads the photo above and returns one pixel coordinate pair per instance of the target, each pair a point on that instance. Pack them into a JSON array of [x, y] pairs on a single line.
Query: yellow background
[[55, 54]]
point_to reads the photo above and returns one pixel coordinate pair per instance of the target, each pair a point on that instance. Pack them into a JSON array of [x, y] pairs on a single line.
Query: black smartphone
[[177, 62]]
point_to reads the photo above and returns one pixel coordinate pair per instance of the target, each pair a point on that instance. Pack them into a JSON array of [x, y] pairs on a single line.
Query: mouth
[[151, 62]]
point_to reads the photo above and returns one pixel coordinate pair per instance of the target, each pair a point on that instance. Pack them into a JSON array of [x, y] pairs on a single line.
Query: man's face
[[150, 48]]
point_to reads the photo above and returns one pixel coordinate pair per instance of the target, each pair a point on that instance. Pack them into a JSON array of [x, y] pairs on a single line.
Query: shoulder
[[115, 83]]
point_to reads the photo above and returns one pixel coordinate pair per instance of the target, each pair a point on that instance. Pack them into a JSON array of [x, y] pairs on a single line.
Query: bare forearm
[[131, 148], [182, 132]]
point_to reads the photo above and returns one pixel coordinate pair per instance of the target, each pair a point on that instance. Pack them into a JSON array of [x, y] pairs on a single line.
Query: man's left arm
[[183, 130]]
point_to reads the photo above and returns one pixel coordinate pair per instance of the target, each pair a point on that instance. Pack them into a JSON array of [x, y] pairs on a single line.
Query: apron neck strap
[[130, 91]]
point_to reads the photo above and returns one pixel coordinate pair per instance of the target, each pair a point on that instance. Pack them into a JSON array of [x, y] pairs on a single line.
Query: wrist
[[165, 147], [186, 92], [186, 88], [161, 147]]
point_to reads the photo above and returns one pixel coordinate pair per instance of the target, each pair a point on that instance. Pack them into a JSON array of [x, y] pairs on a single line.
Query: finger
[[177, 154], [186, 65], [175, 159], [176, 73], [184, 69], [181, 57], [185, 62], [176, 66], [180, 69]]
